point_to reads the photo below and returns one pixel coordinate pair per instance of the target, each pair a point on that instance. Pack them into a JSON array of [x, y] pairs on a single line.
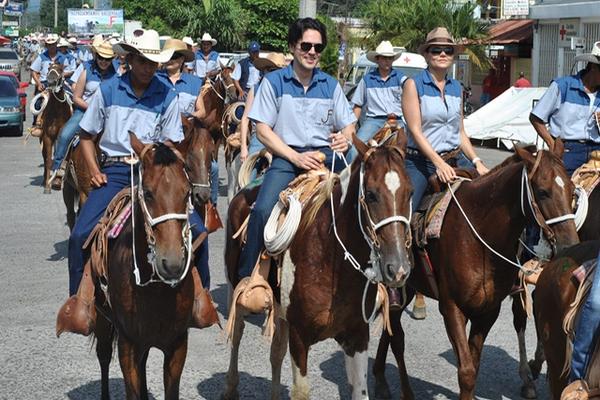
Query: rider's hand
[[98, 179], [308, 160], [445, 172], [481, 168], [339, 142], [40, 87], [243, 153]]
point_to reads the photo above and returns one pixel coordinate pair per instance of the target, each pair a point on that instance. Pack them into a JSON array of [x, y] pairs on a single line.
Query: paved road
[[33, 284]]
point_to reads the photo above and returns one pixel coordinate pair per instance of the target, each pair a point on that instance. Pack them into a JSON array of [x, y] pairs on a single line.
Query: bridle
[[58, 86], [219, 78], [137, 194]]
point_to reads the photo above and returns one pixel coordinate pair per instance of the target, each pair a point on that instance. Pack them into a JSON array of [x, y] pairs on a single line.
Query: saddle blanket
[[588, 175]]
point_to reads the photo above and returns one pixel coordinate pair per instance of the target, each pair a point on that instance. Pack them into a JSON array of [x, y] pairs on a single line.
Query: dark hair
[[298, 27]]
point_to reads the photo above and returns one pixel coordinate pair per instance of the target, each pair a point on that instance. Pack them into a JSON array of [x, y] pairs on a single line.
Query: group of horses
[[368, 208]]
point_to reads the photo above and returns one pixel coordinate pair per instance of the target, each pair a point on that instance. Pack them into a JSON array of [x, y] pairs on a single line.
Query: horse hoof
[[528, 391], [230, 396], [382, 391], [47, 190], [419, 313]]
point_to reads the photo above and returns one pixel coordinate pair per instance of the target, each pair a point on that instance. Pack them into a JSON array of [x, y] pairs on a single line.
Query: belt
[[581, 141], [109, 160], [444, 154]]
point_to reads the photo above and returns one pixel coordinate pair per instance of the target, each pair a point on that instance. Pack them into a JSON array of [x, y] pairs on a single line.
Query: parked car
[[20, 86], [10, 61], [10, 109]]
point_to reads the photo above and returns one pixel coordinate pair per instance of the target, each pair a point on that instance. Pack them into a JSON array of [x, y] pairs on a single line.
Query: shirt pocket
[[321, 112]]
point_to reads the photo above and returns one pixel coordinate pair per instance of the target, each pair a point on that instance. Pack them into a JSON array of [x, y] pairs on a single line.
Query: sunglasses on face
[[438, 50], [100, 58], [306, 46]]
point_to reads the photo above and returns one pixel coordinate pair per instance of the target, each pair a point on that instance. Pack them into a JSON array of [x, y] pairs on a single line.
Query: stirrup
[[76, 316], [577, 390]]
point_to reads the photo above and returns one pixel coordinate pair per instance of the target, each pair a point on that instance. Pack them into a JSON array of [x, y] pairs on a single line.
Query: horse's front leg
[[455, 322], [480, 327], [132, 361], [233, 378], [528, 390], [173, 367], [299, 353], [397, 341], [104, 349], [278, 351], [357, 365], [47, 156]]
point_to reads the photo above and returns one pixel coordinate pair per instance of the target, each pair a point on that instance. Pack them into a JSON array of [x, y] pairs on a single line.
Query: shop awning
[[511, 32]]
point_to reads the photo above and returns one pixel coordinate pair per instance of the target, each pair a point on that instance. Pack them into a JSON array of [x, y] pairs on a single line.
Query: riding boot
[[204, 313], [78, 314]]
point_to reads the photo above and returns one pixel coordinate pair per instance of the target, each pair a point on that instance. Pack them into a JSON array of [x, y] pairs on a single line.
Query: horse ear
[[559, 148], [183, 147], [361, 147], [525, 155], [188, 125], [136, 144], [401, 140]]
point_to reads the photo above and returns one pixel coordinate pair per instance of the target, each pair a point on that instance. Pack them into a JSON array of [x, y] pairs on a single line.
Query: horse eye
[[370, 197], [543, 194], [148, 196]]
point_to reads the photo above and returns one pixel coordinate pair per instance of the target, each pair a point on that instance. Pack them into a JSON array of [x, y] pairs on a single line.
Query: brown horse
[[76, 183], [201, 148], [471, 280], [324, 293], [555, 291], [150, 312], [56, 113]]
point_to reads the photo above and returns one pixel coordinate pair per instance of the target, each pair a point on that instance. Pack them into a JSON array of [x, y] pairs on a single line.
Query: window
[[7, 89], [8, 55]]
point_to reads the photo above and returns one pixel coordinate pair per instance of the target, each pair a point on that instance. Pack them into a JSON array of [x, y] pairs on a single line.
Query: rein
[[225, 97], [150, 223]]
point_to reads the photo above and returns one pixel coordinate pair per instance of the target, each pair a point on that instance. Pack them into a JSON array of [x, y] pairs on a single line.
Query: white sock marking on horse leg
[[300, 386], [356, 369]]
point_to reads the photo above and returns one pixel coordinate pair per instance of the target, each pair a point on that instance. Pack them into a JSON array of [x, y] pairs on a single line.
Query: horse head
[[548, 191], [228, 87], [199, 157], [163, 194], [55, 75], [385, 193]]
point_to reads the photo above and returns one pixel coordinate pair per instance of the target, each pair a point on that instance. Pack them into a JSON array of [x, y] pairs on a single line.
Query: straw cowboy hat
[[207, 38], [62, 42], [189, 41], [384, 49], [178, 46], [593, 57], [271, 61], [51, 38], [72, 40], [104, 49], [147, 45], [440, 37]]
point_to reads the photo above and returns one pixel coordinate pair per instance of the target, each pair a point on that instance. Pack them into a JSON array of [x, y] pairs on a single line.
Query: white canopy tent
[[506, 118]]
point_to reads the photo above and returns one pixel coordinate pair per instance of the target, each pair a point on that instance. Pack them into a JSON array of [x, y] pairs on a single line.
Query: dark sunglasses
[[306, 46], [438, 50], [100, 58]]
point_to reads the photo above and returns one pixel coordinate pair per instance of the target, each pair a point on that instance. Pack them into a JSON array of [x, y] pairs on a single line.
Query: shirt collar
[[579, 79], [165, 75], [155, 86], [318, 75], [427, 78], [374, 74]]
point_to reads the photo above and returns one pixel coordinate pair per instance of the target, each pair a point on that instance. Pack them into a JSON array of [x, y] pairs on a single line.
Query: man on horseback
[[208, 62], [296, 111], [245, 74], [137, 102]]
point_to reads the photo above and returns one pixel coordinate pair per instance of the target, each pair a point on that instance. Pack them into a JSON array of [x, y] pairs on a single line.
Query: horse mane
[[164, 155]]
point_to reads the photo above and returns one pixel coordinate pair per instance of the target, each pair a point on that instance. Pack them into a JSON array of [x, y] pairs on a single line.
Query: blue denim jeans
[[214, 181], [576, 154], [67, 133], [118, 178], [278, 176], [586, 332], [369, 126], [419, 168]]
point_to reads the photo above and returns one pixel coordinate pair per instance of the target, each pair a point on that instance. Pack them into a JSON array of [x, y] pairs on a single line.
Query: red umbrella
[[4, 40]]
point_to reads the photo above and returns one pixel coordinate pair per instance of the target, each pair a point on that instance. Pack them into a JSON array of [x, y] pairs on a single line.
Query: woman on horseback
[[432, 106], [92, 74]]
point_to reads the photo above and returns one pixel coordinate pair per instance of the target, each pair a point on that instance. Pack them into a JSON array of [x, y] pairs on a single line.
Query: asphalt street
[[34, 283]]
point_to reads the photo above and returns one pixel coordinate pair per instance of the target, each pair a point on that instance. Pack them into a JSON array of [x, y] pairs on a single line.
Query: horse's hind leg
[[47, 156], [233, 378], [278, 351], [132, 361], [69, 196], [104, 348], [299, 353], [173, 367], [528, 390]]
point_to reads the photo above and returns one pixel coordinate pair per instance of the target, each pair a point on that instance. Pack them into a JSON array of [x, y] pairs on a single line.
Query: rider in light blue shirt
[[208, 62]]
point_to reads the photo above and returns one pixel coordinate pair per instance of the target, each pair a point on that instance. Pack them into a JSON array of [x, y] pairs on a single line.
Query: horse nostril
[[390, 272]]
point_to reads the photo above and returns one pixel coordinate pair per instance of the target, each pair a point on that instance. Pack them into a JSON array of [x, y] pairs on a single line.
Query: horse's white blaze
[[356, 369], [559, 182], [392, 181], [288, 270]]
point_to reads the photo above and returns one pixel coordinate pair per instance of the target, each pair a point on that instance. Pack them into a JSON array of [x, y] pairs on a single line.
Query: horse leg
[[419, 309], [173, 367], [397, 341], [540, 357], [382, 389], [104, 348], [233, 378], [132, 360], [69, 196], [455, 322], [299, 353], [480, 327], [528, 390], [278, 351], [356, 370], [233, 168], [47, 156]]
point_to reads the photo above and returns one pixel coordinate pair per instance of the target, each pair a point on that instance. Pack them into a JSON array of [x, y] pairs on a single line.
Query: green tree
[[407, 22], [329, 57], [268, 21], [47, 13]]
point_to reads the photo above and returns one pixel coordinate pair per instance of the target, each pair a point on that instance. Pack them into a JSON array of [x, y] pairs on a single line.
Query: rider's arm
[[543, 111], [359, 98], [36, 78], [236, 75], [542, 130], [78, 91], [245, 126], [88, 148], [91, 125]]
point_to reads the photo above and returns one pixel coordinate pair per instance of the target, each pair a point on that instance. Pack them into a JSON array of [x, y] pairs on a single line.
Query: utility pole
[[55, 14], [308, 8]]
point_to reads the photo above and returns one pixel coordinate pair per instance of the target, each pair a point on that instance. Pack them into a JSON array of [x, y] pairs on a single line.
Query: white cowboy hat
[[147, 45], [207, 38], [51, 38], [593, 57], [189, 41], [72, 40], [384, 49], [62, 42]]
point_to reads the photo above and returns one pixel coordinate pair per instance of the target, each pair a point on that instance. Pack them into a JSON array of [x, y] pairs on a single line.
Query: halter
[[219, 77], [150, 223], [56, 88]]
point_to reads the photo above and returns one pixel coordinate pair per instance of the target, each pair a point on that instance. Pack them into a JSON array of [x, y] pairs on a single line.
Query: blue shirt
[[440, 117], [567, 107], [93, 78], [115, 110], [204, 66], [380, 97], [186, 88], [43, 61], [253, 75], [301, 119]]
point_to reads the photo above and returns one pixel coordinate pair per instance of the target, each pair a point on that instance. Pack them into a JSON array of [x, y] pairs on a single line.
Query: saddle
[[588, 175], [579, 390]]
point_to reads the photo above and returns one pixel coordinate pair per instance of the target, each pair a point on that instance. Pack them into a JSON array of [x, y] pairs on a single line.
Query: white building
[[557, 21]]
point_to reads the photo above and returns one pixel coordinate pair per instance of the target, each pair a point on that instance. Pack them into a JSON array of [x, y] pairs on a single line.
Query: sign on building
[[515, 8], [567, 28], [13, 9], [10, 23], [85, 21]]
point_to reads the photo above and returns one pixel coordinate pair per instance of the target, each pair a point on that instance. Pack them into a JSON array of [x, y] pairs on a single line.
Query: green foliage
[[407, 22], [329, 57], [268, 21], [47, 13]]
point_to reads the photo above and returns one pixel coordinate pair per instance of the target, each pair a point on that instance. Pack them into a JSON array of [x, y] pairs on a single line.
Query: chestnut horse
[[56, 113], [555, 291], [327, 292], [471, 280], [150, 312]]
